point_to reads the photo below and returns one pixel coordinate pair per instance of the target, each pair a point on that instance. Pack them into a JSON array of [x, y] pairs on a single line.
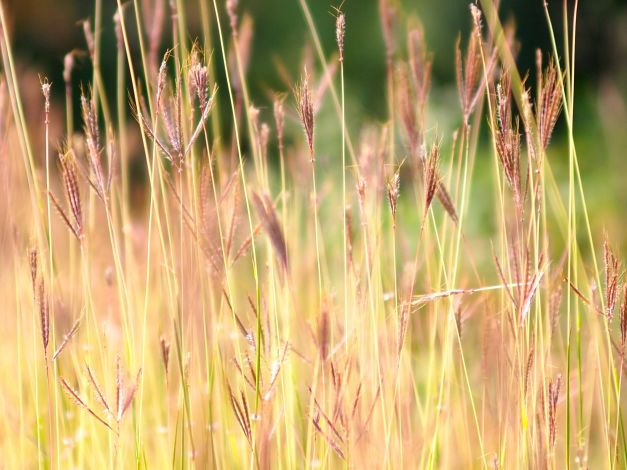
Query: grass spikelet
[[155, 34], [32, 262], [70, 181], [348, 230], [387, 15], [553, 397], [468, 72], [119, 386], [549, 102], [198, 80], [231, 11], [271, 225], [74, 396], [431, 178], [507, 139], [323, 332], [446, 201], [420, 62], [528, 367], [340, 29], [330, 441], [89, 38], [304, 104], [46, 87], [612, 276], [165, 353], [66, 339], [127, 397], [407, 110], [279, 120], [623, 320], [241, 414], [44, 315], [393, 192], [274, 373], [99, 394], [68, 67], [94, 150]]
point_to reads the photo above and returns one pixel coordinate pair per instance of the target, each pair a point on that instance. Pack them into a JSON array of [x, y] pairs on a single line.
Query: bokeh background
[[43, 31]]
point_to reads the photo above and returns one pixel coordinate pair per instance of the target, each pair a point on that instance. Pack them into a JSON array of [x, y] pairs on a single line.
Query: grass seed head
[[420, 64], [306, 111], [623, 320], [612, 279], [553, 396], [387, 15], [165, 353], [68, 66], [507, 138], [89, 39], [32, 261], [231, 11], [44, 315], [340, 29], [279, 120], [198, 80], [45, 89], [70, 181], [393, 192], [430, 175]]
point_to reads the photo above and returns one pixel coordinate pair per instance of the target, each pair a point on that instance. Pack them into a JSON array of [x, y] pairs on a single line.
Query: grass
[[255, 302]]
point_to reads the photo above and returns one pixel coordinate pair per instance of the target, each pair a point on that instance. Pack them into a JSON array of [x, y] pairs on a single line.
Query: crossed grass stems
[[335, 413]]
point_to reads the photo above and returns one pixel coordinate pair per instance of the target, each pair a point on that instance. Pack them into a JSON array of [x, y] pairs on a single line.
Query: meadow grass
[[257, 302]]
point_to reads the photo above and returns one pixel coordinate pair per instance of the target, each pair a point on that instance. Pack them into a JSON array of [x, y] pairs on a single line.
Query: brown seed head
[[340, 28], [361, 192], [323, 331], [267, 213], [32, 260], [198, 80], [348, 230], [264, 138], [66, 339], [508, 138], [89, 39], [387, 14], [420, 64], [549, 103], [45, 89], [553, 395], [161, 79], [407, 109], [44, 315], [70, 181], [279, 120], [306, 112], [119, 34], [476, 18], [231, 10], [165, 353], [393, 192], [623, 320], [68, 65], [430, 174], [468, 71], [612, 276], [92, 138]]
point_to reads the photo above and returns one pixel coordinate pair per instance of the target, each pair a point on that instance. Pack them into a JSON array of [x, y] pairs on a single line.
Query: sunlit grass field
[[191, 279]]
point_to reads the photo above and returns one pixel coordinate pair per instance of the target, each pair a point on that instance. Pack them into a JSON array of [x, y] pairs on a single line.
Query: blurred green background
[[44, 30]]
